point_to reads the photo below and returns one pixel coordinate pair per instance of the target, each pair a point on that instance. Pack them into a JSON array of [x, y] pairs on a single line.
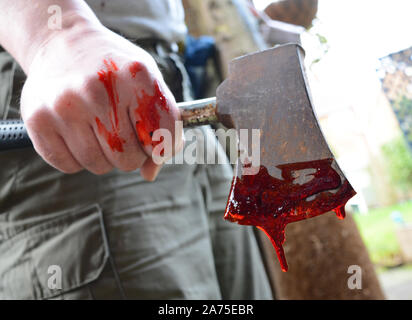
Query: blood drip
[[147, 114], [108, 77], [270, 204]]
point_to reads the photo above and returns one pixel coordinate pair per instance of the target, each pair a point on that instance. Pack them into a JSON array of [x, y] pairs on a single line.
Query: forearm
[[25, 29]]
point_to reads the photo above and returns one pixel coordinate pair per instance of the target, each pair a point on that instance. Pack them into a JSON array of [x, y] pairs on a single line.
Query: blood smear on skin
[[134, 68], [147, 114], [270, 204], [108, 77], [113, 139]]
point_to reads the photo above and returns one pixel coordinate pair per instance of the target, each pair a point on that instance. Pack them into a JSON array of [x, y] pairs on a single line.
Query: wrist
[[48, 43]]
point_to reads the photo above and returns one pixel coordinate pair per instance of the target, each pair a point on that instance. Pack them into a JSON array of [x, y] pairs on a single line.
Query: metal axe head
[[298, 175]]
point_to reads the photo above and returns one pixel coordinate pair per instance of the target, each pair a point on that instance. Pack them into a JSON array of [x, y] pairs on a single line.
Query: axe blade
[[268, 90], [298, 176]]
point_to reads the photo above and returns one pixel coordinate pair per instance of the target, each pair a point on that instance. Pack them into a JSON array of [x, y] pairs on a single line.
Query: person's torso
[[163, 19]]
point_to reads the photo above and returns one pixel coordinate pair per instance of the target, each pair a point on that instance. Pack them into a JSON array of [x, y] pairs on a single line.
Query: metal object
[[198, 112], [265, 90], [269, 91], [13, 135]]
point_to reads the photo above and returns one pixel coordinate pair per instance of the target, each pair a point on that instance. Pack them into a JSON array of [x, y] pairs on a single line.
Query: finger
[[154, 109], [150, 170], [174, 119], [112, 125], [119, 142], [86, 149], [53, 149]]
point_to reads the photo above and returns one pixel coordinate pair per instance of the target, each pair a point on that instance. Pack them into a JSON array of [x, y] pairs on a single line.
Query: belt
[[158, 45]]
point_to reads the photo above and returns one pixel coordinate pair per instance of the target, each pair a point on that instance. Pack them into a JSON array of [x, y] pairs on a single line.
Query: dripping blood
[[270, 204]]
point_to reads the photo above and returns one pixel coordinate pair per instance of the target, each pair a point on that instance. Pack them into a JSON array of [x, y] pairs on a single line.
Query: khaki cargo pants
[[116, 236]]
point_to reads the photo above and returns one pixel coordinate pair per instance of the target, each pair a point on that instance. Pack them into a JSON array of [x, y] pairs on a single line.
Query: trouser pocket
[[54, 256]]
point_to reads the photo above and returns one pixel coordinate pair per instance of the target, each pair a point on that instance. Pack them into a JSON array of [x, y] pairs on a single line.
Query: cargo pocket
[[58, 255]]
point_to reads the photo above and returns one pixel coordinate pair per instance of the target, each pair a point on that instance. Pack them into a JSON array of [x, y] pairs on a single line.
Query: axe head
[[298, 176]]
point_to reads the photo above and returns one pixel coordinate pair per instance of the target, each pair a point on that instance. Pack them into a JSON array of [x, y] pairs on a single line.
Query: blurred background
[[359, 65], [361, 80]]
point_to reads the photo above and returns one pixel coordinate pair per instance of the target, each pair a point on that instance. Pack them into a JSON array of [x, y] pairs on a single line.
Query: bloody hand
[[92, 101]]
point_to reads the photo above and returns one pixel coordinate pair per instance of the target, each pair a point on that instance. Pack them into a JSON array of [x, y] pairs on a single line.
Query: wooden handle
[[13, 133]]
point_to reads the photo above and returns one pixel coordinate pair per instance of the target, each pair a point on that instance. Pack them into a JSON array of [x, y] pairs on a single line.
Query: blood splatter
[[113, 139], [270, 204], [109, 77], [147, 114], [134, 68]]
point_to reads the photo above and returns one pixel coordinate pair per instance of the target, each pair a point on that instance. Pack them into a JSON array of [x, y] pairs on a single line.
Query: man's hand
[[92, 99]]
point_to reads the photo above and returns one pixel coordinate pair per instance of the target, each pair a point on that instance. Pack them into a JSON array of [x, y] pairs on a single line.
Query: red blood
[[109, 77], [270, 204], [113, 139], [134, 68], [147, 114]]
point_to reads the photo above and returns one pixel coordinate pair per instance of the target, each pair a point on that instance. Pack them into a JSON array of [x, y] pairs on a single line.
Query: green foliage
[[324, 48], [378, 232], [399, 163], [403, 111], [322, 39], [403, 107]]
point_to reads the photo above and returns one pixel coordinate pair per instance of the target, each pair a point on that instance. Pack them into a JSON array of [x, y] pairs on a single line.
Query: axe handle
[[13, 133], [198, 112]]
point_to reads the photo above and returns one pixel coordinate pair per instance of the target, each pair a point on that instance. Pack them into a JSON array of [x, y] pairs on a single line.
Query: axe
[[298, 176]]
